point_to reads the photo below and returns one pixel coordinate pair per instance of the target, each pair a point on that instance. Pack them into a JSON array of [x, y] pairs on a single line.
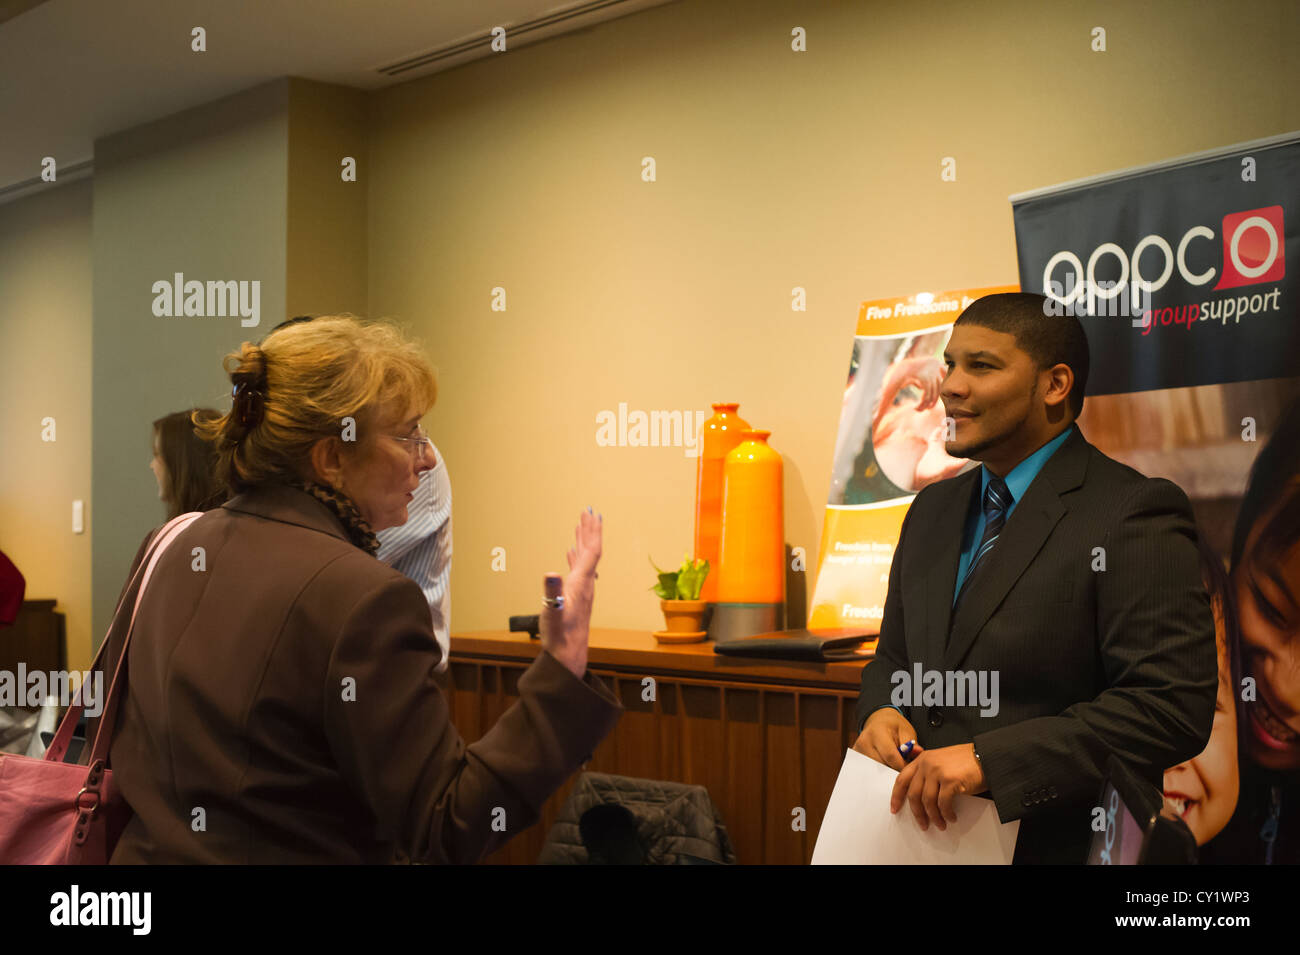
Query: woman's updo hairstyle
[[300, 384]]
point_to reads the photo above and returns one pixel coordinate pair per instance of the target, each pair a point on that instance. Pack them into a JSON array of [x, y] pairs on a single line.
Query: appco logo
[[1253, 252]]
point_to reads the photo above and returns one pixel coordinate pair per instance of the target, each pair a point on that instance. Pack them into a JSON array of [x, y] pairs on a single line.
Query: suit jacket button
[[936, 717]]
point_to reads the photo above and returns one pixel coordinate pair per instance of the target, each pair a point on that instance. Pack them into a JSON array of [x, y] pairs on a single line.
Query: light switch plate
[[78, 517]]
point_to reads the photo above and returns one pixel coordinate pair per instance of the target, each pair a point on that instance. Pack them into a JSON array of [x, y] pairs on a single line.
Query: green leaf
[[667, 586], [690, 579], [666, 589], [682, 584]]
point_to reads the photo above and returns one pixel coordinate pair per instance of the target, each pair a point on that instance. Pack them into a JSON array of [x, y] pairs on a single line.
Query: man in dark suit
[[1073, 593]]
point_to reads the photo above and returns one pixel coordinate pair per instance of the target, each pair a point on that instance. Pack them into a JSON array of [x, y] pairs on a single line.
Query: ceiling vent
[[566, 19]]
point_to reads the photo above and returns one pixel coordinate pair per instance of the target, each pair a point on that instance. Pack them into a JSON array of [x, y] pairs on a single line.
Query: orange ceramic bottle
[[718, 436], [751, 567]]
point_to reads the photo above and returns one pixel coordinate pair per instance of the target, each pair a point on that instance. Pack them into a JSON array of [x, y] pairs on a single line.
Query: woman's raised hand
[[565, 632]]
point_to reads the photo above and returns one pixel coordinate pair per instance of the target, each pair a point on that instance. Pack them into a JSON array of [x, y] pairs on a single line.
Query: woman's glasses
[[417, 443]]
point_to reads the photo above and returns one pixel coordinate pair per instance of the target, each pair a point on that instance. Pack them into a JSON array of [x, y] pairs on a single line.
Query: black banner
[[1179, 275]]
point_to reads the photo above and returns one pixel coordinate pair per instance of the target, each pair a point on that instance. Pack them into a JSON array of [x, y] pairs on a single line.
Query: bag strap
[[104, 734], [58, 747], [63, 737]]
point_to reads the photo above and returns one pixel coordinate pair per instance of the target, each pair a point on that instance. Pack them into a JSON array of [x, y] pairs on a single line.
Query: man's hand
[[930, 782], [884, 732]]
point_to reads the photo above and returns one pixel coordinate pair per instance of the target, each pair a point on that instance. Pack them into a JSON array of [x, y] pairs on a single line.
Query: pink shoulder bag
[[57, 813]]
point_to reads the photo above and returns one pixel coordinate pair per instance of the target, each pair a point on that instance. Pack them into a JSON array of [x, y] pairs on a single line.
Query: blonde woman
[[281, 705]]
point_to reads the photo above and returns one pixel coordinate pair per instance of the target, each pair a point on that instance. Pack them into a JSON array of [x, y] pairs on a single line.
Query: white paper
[[859, 829]]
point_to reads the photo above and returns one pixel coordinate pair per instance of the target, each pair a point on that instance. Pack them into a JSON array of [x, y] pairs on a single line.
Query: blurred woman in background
[[184, 464]]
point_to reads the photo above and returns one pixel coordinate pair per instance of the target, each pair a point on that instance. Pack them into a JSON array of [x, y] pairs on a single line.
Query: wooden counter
[[765, 737]]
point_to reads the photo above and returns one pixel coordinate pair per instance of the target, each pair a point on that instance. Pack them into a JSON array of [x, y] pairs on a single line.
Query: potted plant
[[679, 598]]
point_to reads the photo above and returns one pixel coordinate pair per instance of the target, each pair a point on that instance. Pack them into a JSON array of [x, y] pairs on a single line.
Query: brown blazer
[[287, 691]]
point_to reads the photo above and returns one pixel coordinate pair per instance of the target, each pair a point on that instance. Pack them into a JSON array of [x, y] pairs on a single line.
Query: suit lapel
[[1022, 537], [943, 534]]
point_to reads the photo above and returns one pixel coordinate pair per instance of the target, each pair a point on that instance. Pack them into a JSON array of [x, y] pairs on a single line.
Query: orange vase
[[751, 566], [718, 436]]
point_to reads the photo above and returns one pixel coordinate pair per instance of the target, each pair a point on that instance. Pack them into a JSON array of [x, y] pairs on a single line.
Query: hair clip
[[248, 402]]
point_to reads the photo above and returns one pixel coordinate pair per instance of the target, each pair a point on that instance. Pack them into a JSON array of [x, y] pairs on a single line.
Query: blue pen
[[907, 747]]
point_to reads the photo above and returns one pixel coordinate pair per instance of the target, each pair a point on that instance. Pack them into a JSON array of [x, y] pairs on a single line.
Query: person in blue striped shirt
[[421, 548]]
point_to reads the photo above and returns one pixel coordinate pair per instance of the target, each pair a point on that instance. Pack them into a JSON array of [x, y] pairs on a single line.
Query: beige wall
[[775, 170], [325, 251], [45, 353], [203, 193]]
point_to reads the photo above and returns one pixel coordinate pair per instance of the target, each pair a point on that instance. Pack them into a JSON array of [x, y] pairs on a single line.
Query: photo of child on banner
[[899, 448]]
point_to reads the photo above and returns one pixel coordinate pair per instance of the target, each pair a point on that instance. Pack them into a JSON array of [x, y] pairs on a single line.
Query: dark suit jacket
[[1090, 661], [287, 690]]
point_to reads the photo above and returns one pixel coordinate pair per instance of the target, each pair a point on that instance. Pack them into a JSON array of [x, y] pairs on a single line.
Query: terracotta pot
[[683, 616]]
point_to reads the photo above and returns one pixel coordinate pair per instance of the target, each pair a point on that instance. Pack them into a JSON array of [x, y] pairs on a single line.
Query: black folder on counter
[[802, 644]]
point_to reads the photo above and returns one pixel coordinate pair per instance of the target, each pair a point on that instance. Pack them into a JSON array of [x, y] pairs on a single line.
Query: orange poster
[[890, 444]]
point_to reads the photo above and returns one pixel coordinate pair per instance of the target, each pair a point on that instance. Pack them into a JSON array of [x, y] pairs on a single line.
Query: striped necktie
[[997, 499]]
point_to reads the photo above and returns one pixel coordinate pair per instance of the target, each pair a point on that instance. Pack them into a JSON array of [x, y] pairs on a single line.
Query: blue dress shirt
[[1018, 481]]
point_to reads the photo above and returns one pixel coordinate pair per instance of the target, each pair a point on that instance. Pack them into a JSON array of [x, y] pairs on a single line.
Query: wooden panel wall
[[761, 750]]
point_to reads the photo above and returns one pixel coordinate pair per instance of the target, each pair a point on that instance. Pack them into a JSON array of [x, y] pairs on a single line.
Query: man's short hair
[[292, 321], [1049, 338]]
